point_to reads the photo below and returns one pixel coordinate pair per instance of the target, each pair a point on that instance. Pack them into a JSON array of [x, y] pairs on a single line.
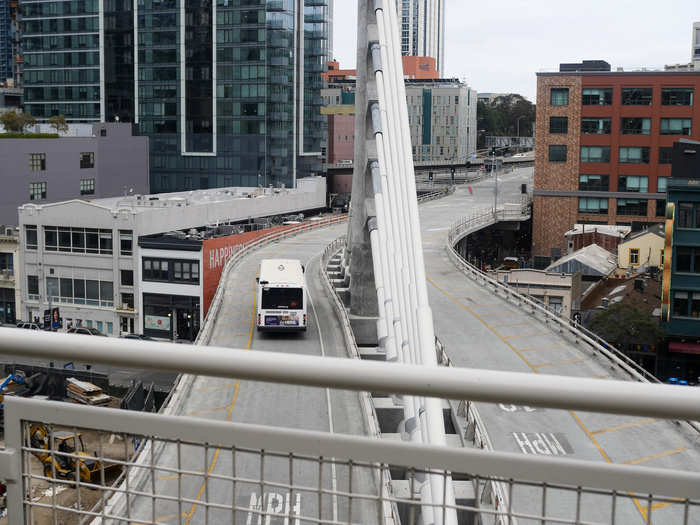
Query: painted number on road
[[274, 503], [543, 443], [516, 408]]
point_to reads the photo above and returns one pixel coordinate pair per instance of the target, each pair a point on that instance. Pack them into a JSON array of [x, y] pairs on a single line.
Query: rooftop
[[656, 229], [605, 229], [592, 256]]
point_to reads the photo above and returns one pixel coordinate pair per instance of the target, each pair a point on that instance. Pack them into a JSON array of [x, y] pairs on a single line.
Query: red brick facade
[[554, 215]]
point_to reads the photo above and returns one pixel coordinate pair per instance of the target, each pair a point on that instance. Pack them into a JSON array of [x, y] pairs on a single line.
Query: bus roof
[[282, 271]]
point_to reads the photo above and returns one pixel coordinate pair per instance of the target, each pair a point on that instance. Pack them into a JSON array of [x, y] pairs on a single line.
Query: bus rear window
[[282, 298]]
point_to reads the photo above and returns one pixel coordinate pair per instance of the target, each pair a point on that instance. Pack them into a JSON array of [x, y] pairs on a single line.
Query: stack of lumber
[[86, 393]]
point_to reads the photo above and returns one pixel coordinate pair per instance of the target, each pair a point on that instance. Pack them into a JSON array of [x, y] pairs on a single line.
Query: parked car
[[85, 331], [28, 326], [138, 336]]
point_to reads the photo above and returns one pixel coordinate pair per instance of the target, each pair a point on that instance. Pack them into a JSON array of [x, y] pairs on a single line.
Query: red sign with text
[[215, 253]]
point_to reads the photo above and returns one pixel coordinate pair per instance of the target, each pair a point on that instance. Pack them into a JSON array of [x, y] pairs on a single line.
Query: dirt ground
[[67, 495]]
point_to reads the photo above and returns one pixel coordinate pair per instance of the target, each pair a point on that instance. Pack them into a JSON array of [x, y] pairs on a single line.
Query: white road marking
[[437, 229], [276, 503], [334, 478], [542, 443], [515, 408]]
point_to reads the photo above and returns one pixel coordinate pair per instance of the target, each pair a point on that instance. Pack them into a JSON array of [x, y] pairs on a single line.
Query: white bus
[[281, 296]]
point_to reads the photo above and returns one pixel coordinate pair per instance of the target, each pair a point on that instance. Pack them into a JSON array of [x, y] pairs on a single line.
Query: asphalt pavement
[[481, 330], [267, 404]]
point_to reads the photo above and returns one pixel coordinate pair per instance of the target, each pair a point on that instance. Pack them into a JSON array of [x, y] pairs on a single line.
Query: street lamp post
[[495, 176]]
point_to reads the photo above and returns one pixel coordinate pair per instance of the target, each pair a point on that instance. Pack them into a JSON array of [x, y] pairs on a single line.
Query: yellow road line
[[565, 362], [623, 426], [229, 414], [663, 454], [591, 437]]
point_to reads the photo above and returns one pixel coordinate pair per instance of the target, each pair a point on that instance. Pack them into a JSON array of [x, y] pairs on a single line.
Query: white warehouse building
[[100, 261]]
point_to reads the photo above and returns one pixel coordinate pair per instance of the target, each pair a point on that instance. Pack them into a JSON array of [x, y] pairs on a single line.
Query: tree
[[16, 122], [506, 115], [624, 324], [58, 122]]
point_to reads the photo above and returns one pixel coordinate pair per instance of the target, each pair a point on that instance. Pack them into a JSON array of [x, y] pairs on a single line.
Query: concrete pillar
[[363, 295]]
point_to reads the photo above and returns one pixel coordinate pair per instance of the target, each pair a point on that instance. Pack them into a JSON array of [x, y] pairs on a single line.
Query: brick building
[[603, 146]]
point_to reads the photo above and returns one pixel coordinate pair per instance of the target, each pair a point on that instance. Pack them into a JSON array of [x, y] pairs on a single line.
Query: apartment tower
[[423, 29], [228, 91]]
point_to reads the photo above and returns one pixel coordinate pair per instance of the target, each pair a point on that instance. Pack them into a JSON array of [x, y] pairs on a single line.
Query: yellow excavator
[[65, 466]]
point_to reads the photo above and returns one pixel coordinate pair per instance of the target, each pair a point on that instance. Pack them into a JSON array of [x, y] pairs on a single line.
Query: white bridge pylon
[[384, 218]]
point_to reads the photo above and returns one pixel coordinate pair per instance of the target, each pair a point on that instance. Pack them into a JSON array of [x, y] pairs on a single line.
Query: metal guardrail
[[264, 468], [466, 225]]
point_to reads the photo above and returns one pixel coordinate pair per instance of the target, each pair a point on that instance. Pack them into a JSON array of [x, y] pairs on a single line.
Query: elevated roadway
[[478, 329], [267, 404], [481, 330]]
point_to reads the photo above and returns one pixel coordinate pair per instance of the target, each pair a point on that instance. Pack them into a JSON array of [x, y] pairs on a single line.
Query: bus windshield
[[282, 298]]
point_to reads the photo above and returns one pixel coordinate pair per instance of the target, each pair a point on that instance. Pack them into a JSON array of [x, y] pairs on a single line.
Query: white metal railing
[[405, 323], [580, 334], [281, 462]]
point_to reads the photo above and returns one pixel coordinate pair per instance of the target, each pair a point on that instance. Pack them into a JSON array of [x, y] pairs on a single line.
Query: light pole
[[495, 176]]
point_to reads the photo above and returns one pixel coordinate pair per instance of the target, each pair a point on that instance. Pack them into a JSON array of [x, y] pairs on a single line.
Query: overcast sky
[[499, 46]]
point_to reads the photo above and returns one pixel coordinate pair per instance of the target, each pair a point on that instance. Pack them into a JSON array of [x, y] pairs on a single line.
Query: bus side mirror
[[257, 280], [303, 270]]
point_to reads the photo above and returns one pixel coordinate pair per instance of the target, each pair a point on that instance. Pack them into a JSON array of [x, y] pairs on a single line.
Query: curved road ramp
[[277, 429]]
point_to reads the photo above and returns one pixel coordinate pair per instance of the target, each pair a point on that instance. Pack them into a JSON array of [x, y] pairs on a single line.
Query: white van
[[281, 296]]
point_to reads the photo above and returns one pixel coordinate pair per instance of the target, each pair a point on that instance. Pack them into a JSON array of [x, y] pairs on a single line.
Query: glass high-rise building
[[228, 91], [422, 28]]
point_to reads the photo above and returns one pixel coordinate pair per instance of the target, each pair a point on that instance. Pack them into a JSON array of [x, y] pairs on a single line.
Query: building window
[[30, 237], [677, 96], [87, 186], [684, 259], [636, 96], [675, 126], [593, 205], [127, 277], [559, 97], [557, 153], [103, 132], [126, 241], [635, 126], [633, 183], [688, 214], [595, 126], [596, 97], [558, 125], [661, 208], [80, 291], [37, 191], [680, 304], [661, 184], [634, 256], [665, 155], [595, 153], [37, 161], [33, 287], [87, 160], [593, 182], [167, 270], [77, 240], [127, 301], [636, 207], [155, 270], [634, 155], [186, 271]]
